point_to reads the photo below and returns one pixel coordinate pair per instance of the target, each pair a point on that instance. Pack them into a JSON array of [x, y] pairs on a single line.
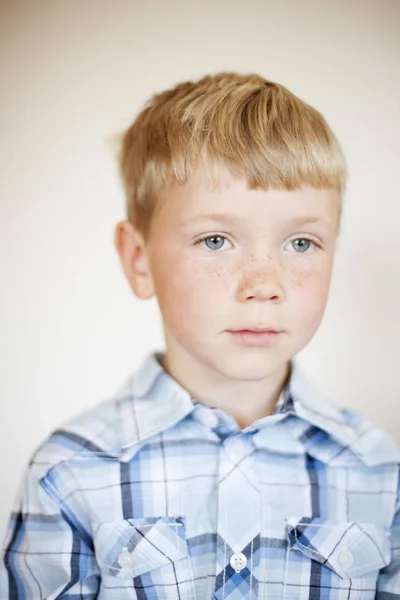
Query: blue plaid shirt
[[154, 495]]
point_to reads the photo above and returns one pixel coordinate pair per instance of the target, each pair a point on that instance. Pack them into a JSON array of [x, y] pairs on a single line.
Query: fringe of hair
[[243, 124]]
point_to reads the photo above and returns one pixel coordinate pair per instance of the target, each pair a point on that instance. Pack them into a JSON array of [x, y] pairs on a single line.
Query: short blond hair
[[254, 128]]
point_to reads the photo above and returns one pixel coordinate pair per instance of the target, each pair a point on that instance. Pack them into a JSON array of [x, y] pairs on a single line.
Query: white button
[[208, 418], [346, 559], [125, 558], [238, 562]]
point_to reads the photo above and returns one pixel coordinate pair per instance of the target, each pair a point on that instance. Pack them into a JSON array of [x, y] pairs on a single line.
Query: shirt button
[[346, 559], [238, 562], [125, 558], [209, 419]]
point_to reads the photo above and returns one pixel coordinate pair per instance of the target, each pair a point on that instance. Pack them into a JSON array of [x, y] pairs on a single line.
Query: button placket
[[239, 505]]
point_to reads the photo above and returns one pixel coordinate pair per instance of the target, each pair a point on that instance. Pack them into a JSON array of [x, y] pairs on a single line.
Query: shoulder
[[91, 434], [146, 403], [372, 443], [337, 434]]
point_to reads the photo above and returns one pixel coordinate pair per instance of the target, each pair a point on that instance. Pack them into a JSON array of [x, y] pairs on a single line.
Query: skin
[[256, 274]]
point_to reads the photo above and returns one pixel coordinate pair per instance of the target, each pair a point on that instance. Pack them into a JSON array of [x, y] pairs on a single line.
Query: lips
[[259, 337], [257, 330]]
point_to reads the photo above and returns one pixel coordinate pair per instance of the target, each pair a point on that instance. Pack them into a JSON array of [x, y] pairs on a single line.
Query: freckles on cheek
[[192, 286], [218, 277], [315, 278], [202, 276], [299, 278], [310, 287]]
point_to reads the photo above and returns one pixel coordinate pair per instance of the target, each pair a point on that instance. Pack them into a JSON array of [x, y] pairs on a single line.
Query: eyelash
[[207, 237]]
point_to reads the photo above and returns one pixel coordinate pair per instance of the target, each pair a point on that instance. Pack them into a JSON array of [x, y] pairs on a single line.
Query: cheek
[[310, 288], [187, 291]]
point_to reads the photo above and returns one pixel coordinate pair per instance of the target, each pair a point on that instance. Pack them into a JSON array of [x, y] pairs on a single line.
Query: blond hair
[[254, 128]]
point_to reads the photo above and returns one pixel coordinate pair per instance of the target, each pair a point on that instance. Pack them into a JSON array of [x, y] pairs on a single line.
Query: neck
[[214, 390]]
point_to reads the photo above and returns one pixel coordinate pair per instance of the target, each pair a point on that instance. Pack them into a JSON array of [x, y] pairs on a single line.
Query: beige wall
[[74, 72]]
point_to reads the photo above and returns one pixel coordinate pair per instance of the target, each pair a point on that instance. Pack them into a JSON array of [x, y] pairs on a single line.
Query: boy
[[218, 471]]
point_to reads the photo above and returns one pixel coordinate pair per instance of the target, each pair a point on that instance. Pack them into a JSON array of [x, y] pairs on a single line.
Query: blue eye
[[303, 247], [215, 242]]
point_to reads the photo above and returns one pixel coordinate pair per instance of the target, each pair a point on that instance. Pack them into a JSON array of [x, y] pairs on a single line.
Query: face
[[231, 258]]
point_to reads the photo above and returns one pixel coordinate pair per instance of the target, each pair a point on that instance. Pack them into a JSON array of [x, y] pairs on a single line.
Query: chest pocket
[[145, 553], [341, 556]]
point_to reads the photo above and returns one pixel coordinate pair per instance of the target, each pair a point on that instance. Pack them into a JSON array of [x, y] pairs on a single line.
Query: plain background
[[73, 74]]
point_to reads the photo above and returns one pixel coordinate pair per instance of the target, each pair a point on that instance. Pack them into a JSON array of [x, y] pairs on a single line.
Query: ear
[[132, 251]]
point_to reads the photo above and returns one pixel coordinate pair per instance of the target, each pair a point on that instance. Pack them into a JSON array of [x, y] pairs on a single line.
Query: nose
[[262, 281]]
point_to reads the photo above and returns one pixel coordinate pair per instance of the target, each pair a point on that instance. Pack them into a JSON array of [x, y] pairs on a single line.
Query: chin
[[251, 366]]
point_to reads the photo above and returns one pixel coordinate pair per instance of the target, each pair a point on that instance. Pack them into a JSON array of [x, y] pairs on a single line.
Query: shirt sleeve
[[388, 585], [44, 554]]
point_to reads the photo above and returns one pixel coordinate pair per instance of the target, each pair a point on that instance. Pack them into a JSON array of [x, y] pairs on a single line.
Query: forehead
[[231, 203]]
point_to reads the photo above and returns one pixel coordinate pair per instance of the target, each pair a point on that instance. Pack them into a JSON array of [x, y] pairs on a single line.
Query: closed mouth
[[255, 330]]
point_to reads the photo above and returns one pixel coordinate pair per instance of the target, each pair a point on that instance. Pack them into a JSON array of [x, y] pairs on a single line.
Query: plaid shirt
[[153, 495]]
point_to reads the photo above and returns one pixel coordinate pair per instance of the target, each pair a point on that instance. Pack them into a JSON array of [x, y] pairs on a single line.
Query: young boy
[[218, 471]]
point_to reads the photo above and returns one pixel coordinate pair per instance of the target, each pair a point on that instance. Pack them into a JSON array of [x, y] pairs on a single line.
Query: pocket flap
[[350, 548], [130, 547]]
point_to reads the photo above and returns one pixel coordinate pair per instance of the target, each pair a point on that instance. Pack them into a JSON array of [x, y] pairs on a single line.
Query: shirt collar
[[150, 401]]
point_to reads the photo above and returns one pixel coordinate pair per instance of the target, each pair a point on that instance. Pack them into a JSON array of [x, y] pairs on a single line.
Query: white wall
[[75, 72]]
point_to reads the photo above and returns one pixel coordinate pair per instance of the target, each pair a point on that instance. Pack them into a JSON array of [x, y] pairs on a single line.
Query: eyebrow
[[231, 219], [222, 218]]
